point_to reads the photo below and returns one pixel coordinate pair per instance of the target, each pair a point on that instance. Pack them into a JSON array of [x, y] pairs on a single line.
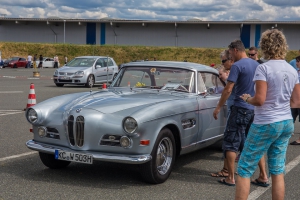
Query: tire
[[15, 66], [90, 81], [159, 168], [59, 84], [49, 161]]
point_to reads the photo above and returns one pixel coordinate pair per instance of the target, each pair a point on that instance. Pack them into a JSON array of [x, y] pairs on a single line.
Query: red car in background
[[16, 62]]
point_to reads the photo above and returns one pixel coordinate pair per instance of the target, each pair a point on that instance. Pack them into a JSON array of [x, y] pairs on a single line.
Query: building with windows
[[107, 31]]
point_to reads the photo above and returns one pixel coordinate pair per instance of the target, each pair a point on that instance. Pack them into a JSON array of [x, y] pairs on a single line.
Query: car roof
[[92, 57], [172, 64]]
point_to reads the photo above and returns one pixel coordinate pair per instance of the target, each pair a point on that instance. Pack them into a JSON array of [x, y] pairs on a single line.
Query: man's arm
[[225, 95], [295, 98]]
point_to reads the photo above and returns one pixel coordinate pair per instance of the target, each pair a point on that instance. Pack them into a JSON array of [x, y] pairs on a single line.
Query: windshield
[[15, 58], [81, 62], [156, 78]]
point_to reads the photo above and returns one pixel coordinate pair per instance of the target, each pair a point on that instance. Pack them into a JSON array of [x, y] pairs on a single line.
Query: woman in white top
[[272, 127]]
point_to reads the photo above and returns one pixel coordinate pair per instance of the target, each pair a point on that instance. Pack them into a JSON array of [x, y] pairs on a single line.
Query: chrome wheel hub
[[164, 156]]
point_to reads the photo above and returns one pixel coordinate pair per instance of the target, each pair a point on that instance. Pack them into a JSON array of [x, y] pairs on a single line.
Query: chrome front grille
[[76, 130], [79, 131], [65, 73]]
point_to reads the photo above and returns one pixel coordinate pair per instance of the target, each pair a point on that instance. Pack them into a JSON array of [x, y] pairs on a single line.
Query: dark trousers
[[295, 113], [55, 64]]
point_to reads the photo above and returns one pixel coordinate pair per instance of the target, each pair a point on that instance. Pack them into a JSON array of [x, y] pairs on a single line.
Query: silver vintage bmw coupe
[[152, 112]]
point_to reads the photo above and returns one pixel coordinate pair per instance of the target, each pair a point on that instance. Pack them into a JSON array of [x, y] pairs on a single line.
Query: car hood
[[72, 69], [111, 102]]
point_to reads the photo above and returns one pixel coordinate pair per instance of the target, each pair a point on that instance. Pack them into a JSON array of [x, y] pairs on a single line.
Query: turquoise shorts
[[266, 138]]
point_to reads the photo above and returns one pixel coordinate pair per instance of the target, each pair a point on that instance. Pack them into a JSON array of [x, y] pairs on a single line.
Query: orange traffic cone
[[31, 97], [104, 86]]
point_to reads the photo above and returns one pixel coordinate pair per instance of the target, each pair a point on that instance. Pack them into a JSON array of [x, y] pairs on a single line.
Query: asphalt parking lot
[[23, 176]]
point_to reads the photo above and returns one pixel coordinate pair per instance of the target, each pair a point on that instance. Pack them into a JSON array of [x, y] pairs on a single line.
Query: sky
[[169, 10]]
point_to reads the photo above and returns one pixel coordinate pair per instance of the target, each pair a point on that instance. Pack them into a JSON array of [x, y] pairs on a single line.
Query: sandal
[[222, 173]]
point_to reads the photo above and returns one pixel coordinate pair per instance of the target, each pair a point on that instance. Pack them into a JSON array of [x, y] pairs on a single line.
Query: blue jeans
[[28, 64]]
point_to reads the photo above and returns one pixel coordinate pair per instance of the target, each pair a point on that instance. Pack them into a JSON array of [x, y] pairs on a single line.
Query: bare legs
[[243, 187], [263, 177]]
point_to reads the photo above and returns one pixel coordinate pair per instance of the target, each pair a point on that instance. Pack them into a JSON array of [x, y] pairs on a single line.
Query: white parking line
[[9, 92], [259, 191], [17, 156], [10, 112]]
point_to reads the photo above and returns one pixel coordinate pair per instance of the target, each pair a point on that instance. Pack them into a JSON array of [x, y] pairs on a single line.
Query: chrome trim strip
[[202, 141], [110, 157]]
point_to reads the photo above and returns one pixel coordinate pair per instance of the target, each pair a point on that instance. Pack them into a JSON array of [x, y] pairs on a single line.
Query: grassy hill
[[121, 54]]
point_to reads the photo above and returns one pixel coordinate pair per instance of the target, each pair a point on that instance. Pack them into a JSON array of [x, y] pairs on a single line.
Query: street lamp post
[[64, 31]]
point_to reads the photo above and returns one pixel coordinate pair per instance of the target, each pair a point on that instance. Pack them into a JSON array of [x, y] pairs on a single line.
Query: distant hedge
[[121, 54]]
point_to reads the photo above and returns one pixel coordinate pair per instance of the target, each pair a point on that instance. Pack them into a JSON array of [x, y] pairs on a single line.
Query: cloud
[[214, 10], [283, 3]]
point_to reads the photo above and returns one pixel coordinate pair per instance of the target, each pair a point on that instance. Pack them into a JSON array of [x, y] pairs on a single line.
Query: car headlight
[[125, 142], [56, 72], [42, 131], [32, 116], [79, 73], [130, 125]]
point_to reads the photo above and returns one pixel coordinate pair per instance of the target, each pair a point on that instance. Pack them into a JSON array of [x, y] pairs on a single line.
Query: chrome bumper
[[129, 159]]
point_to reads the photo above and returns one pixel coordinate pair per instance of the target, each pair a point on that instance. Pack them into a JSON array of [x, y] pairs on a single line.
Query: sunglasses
[[250, 54], [224, 61]]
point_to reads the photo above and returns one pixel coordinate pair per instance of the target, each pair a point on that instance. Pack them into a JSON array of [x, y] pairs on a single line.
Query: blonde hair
[[222, 68], [273, 44]]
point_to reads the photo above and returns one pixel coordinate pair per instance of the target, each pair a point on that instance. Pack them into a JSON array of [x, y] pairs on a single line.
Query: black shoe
[[295, 143]]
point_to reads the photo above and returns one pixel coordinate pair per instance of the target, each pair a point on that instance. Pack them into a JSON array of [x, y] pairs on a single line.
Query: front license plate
[[64, 77], [74, 157]]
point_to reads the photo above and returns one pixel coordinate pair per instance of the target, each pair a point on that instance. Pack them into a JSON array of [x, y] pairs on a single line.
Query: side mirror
[[98, 66]]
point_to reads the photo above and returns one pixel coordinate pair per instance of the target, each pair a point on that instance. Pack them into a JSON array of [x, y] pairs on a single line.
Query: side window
[[110, 62], [201, 83], [100, 62], [211, 83]]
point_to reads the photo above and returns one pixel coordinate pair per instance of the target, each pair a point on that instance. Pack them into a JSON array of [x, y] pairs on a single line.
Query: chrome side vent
[[111, 140], [79, 131], [70, 130], [52, 133]]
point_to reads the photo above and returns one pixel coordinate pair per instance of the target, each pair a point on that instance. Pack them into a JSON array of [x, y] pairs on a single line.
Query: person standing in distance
[[41, 61], [253, 53], [34, 61], [55, 61], [29, 58], [66, 60]]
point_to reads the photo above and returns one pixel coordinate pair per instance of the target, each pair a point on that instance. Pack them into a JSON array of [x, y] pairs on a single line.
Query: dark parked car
[[5, 62], [16, 62]]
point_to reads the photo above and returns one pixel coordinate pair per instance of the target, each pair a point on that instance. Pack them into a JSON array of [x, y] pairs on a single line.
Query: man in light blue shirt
[[293, 63]]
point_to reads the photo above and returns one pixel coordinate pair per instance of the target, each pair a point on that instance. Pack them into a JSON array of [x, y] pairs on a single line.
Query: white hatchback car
[[86, 70], [47, 62]]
